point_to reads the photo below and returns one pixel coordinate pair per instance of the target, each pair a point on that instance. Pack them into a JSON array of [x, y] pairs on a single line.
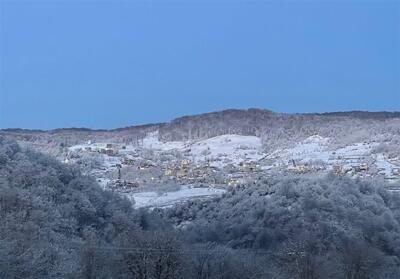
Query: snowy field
[[227, 149], [151, 142], [384, 167], [153, 199], [311, 149], [218, 150], [316, 148]]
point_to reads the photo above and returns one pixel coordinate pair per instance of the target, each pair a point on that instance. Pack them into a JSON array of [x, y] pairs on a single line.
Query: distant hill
[[274, 128]]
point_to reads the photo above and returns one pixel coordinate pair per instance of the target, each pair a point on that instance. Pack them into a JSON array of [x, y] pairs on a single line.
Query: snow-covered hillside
[[317, 152], [218, 151], [151, 141], [234, 149], [311, 149], [223, 161]]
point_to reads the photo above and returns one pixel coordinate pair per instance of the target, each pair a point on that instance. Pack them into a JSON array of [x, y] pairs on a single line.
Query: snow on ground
[[311, 149], [234, 149], [153, 199], [316, 148], [98, 146], [229, 148], [151, 142], [354, 150], [110, 161], [351, 155], [95, 146], [384, 167]]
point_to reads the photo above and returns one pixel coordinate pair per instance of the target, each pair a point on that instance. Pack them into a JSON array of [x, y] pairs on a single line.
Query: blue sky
[[105, 64]]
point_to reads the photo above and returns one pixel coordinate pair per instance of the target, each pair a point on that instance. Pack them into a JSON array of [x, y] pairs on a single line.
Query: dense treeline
[[277, 129], [331, 227], [57, 223]]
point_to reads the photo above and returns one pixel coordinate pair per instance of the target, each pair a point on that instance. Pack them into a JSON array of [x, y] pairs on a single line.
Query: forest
[[58, 223]]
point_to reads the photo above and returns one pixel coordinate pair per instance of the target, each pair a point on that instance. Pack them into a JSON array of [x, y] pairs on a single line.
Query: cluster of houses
[[354, 166], [146, 167], [109, 150], [352, 169], [188, 171], [338, 168], [75, 153], [185, 171]]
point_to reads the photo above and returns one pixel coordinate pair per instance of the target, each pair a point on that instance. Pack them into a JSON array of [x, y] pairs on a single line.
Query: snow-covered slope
[[218, 150], [227, 149], [153, 161], [316, 148], [311, 149], [153, 199], [151, 141], [384, 166]]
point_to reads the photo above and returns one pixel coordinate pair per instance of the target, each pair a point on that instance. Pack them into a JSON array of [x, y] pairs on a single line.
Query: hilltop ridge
[[222, 114]]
